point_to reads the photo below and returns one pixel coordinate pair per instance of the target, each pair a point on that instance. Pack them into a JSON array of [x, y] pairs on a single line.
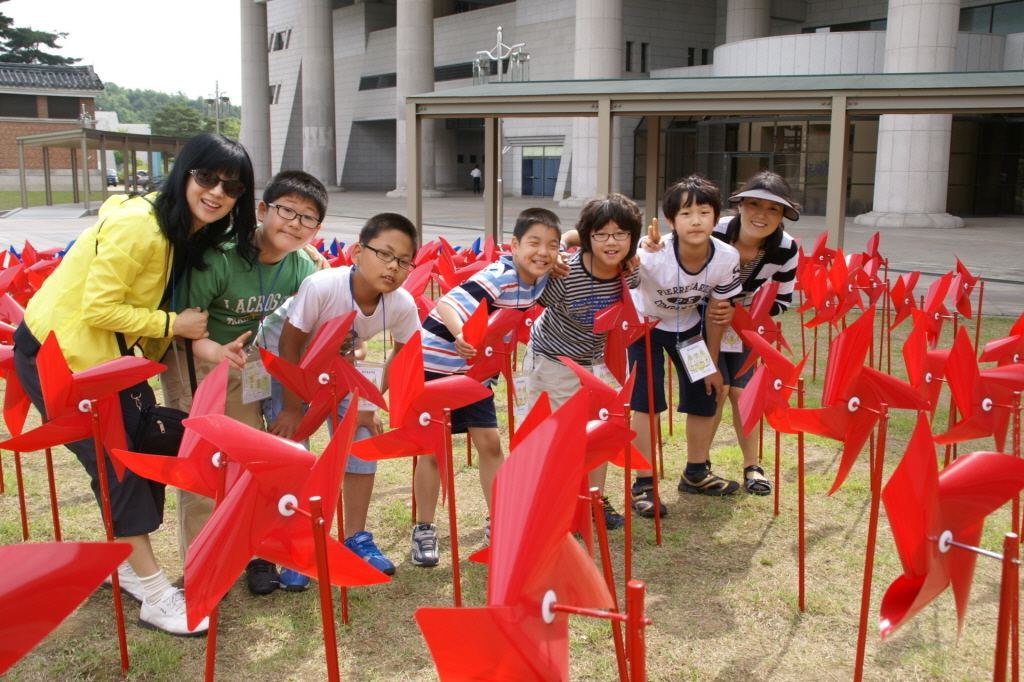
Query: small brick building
[[37, 99]]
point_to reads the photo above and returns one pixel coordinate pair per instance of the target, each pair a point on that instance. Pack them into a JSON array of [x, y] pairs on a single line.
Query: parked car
[[111, 177], [142, 177]]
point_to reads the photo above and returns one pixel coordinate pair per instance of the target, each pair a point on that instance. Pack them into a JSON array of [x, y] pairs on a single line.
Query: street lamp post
[[216, 100]]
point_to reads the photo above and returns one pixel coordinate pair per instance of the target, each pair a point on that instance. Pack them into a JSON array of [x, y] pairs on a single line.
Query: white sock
[[155, 586]]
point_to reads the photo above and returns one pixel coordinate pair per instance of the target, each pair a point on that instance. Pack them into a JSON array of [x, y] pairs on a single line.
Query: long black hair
[[777, 185], [229, 159]]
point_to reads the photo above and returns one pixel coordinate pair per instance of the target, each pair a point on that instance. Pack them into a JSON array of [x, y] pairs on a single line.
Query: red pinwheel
[[416, 284], [10, 311], [312, 379], [853, 395], [925, 369], [821, 255], [935, 311], [530, 316], [1008, 350], [623, 326], [257, 515], [981, 397], [961, 289], [67, 398], [820, 296], [195, 467], [769, 389], [417, 408], [902, 297], [16, 402], [759, 320], [487, 336], [534, 563], [928, 510], [65, 572]]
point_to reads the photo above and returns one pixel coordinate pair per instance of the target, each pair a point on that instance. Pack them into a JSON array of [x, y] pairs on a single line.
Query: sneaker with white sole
[[129, 583], [424, 545], [168, 615], [362, 545]]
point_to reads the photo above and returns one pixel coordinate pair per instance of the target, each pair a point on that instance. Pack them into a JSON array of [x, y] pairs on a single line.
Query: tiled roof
[[49, 77]]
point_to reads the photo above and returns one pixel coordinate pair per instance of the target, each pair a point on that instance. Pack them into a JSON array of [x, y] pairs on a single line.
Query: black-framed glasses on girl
[[208, 179], [387, 257], [604, 236]]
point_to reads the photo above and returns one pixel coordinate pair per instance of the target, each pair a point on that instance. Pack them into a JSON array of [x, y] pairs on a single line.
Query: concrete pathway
[[993, 247]]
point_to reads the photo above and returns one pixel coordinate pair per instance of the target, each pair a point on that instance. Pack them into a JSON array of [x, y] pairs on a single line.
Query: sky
[[164, 45]]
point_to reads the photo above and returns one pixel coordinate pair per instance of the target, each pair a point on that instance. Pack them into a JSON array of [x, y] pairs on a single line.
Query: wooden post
[[838, 150]]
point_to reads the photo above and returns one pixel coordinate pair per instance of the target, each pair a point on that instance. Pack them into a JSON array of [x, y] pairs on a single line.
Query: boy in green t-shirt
[[240, 286]]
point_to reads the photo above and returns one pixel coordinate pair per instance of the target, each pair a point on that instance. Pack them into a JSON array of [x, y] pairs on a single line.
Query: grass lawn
[[721, 589], [9, 200]]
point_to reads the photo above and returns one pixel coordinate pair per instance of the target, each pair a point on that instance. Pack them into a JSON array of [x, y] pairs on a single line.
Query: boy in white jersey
[[373, 288], [681, 274], [608, 231]]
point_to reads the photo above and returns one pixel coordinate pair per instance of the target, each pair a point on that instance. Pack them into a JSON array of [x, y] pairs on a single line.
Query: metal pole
[[47, 186], [800, 496], [838, 147], [85, 170], [53, 495], [316, 514], [452, 522], [21, 175], [1008, 597], [653, 157], [650, 423], [413, 169], [75, 198]]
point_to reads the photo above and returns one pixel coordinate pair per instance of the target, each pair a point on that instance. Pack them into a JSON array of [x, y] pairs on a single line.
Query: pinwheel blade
[[65, 572]]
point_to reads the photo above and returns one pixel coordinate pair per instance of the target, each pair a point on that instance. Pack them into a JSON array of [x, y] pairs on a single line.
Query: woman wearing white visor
[[767, 253]]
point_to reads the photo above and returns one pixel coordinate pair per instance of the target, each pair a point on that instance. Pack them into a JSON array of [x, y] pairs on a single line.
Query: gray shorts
[[273, 405]]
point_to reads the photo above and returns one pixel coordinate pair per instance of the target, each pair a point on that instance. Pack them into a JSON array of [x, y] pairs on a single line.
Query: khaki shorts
[[550, 376], [194, 510]]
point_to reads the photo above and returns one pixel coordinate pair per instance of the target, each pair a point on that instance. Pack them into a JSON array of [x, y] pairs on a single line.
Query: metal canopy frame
[[84, 139], [838, 96]]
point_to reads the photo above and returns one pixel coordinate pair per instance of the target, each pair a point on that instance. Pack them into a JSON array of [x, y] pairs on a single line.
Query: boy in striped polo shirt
[[514, 281], [607, 231]]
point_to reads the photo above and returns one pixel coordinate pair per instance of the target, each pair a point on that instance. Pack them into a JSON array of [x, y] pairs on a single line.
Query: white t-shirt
[[327, 294], [669, 292]]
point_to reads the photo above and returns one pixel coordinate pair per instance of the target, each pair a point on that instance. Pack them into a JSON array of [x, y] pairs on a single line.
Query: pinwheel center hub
[[928, 378], [488, 351], [324, 379], [944, 541], [602, 414], [286, 505], [777, 385], [986, 404], [424, 419], [1016, 357], [545, 606], [84, 405], [853, 404], [528, 322], [625, 325], [215, 460], [760, 330], [828, 304]]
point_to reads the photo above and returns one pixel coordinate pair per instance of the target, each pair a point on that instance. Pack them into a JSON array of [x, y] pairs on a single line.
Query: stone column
[[598, 54], [747, 19], [912, 166], [414, 36], [255, 131], [319, 153]]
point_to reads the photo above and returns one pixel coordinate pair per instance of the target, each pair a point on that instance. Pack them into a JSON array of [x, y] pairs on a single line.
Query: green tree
[[228, 126], [175, 118], [23, 45]]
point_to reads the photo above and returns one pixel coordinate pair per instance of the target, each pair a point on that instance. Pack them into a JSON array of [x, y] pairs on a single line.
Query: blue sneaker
[[362, 545], [293, 581]]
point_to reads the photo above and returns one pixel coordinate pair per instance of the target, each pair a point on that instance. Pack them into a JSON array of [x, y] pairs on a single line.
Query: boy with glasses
[[240, 287], [372, 287]]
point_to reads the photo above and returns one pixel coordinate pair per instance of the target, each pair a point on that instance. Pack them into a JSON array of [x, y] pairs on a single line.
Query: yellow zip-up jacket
[[112, 280]]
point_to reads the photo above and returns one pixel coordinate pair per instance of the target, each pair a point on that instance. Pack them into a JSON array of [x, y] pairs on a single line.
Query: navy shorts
[[692, 397], [478, 415], [730, 363]]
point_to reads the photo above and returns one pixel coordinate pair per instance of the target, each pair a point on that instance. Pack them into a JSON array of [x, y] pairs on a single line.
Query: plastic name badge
[[521, 393], [255, 380], [374, 373], [696, 359], [731, 342], [602, 372]]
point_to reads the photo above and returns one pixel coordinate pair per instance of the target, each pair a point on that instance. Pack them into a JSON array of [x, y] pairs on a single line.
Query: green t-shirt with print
[[237, 294]]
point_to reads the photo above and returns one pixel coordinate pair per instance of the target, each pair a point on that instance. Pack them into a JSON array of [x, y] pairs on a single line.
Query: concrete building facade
[[907, 170]]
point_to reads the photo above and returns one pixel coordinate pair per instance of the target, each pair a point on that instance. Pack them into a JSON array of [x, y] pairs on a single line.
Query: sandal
[[755, 482], [711, 485], [643, 502]]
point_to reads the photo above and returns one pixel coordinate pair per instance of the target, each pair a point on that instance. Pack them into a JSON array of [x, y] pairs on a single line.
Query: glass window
[[629, 55], [976, 19], [1008, 18], [20, 106], [533, 151], [63, 107], [691, 56]]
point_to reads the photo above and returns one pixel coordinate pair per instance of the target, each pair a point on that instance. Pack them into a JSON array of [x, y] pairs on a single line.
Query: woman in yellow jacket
[[113, 281]]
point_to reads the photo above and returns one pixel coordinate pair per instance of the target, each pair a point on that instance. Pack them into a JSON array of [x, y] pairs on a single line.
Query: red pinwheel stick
[[316, 516], [211, 632], [452, 522], [108, 525], [609, 578], [52, 482], [335, 401], [651, 417], [627, 518], [800, 496], [1006, 624]]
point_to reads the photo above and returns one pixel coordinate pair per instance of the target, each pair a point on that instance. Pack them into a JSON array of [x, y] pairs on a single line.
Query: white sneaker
[[130, 584], [168, 615]]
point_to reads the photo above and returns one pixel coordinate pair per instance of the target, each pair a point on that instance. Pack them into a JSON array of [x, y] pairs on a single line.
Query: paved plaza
[[993, 247]]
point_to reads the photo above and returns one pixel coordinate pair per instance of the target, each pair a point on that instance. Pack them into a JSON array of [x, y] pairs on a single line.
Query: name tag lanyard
[[383, 315], [707, 265], [263, 301], [693, 352]]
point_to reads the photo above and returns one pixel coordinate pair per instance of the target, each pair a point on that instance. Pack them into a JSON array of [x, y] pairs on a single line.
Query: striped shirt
[[566, 327], [499, 286], [779, 266], [672, 293]]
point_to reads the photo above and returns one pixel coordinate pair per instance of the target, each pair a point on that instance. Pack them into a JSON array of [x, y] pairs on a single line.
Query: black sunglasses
[[208, 179]]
